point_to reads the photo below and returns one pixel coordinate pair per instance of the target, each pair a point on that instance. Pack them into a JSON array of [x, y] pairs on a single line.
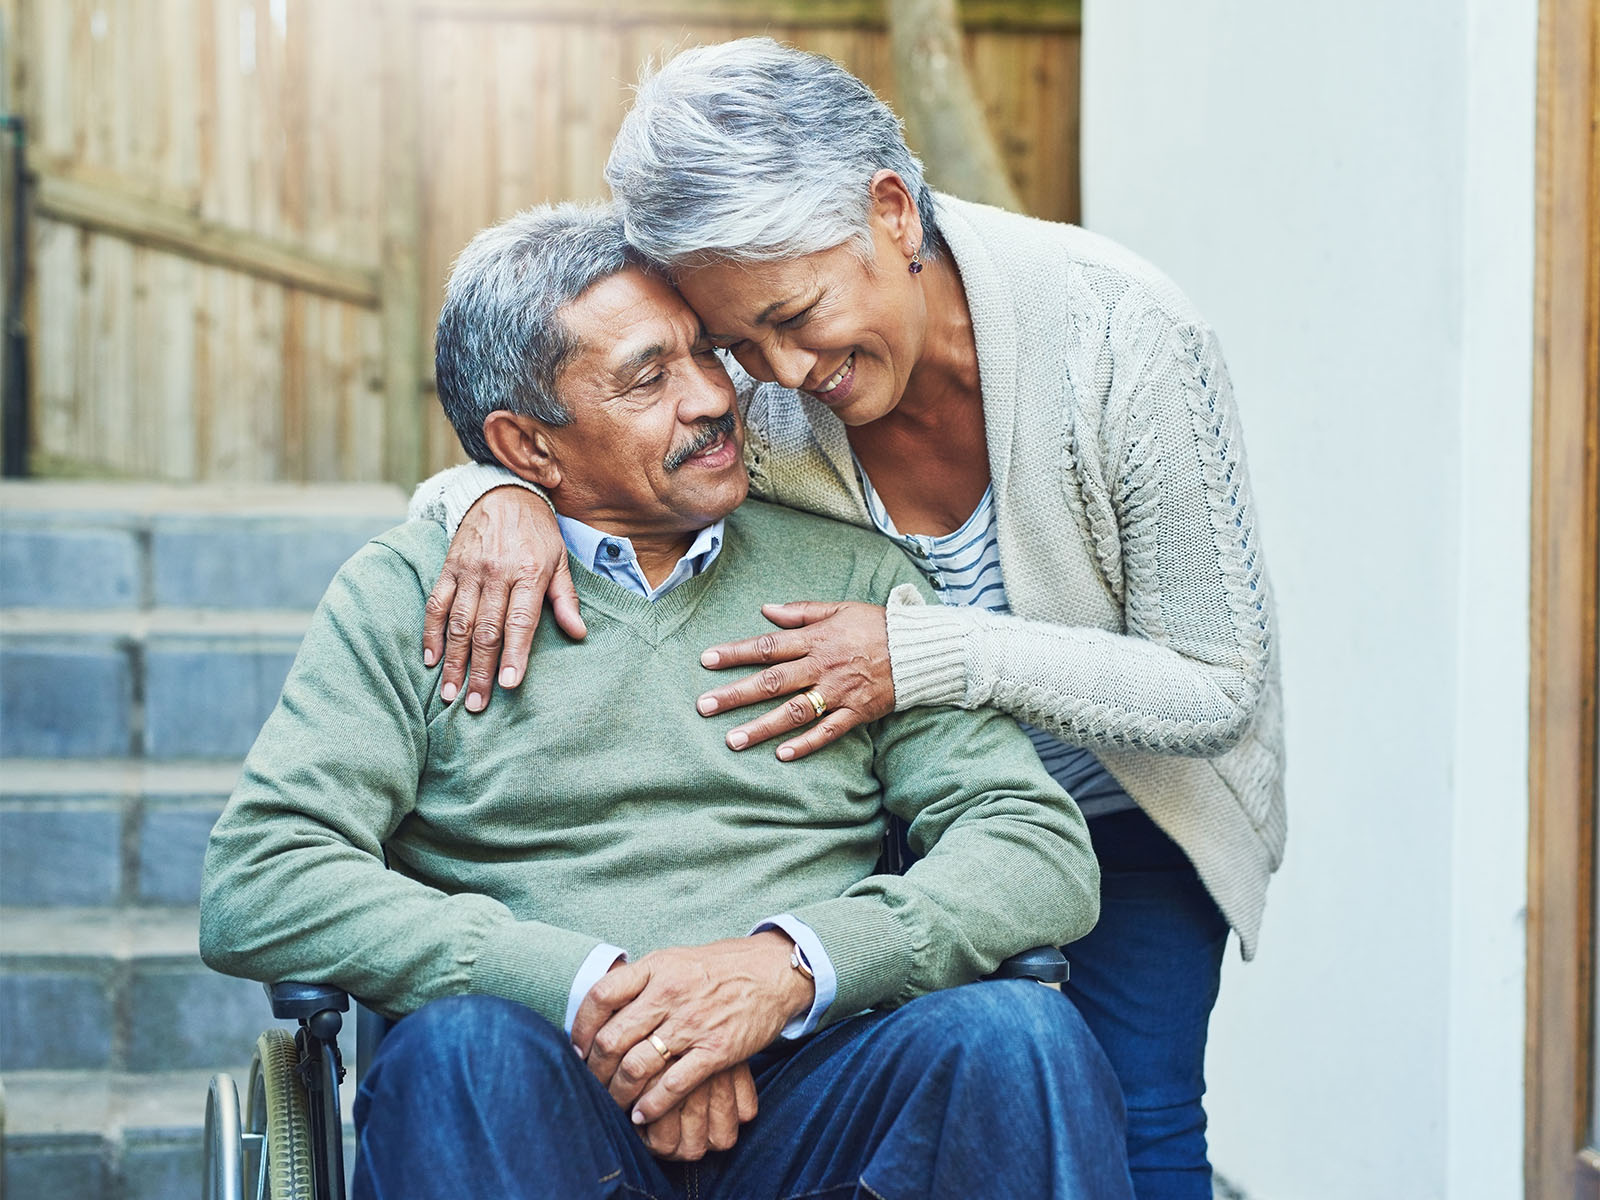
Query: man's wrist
[[796, 987], [600, 961]]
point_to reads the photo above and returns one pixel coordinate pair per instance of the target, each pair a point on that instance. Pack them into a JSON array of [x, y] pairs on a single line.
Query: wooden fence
[[242, 212]]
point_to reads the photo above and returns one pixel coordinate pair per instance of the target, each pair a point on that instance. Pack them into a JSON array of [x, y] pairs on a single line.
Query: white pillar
[[1346, 191]]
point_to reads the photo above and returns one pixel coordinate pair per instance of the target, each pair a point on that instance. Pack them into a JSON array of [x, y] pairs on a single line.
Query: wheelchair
[[287, 1142]]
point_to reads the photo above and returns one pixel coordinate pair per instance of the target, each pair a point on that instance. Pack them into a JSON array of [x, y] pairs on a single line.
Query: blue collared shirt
[[613, 558]]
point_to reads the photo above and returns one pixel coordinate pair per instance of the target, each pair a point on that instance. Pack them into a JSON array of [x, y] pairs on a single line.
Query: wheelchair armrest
[[298, 1001], [1044, 963]]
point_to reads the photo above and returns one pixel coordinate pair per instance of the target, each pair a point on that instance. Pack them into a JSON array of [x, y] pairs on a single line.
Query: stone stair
[[145, 632]]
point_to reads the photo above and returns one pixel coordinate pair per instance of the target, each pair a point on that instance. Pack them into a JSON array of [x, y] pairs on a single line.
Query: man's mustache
[[723, 426]]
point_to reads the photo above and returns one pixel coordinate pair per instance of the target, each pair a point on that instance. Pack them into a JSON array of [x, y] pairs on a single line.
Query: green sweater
[[593, 804]]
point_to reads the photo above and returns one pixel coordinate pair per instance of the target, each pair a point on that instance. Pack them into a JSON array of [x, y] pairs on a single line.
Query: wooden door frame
[[1564, 575]]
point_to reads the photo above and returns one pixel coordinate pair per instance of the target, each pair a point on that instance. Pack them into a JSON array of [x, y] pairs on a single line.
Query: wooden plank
[[208, 363], [1028, 15], [401, 287], [364, 413], [588, 81], [1565, 563], [129, 215], [287, 31], [173, 407], [52, 316]]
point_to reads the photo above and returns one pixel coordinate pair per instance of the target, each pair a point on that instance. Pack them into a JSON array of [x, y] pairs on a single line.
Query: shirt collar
[[613, 556]]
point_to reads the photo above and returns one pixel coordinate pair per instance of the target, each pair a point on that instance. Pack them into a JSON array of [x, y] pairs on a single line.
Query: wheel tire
[[278, 1109], [224, 1169]]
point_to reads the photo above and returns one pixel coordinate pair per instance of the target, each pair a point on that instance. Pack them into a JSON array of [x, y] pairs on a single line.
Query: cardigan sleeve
[[1186, 676], [447, 496]]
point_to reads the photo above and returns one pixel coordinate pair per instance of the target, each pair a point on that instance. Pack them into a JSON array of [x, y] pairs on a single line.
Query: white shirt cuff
[[815, 957], [599, 960]]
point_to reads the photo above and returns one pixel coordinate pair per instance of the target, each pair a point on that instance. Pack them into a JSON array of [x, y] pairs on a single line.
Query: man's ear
[[523, 446]]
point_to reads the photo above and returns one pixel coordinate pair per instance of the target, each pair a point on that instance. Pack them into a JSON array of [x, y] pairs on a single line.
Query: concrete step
[[93, 1135], [128, 546], [103, 833], [162, 684], [119, 990]]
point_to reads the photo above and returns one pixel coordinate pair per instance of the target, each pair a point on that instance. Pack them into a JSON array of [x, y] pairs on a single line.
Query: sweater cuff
[[927, 650], [464, 486], [532, 964], [871, 952]]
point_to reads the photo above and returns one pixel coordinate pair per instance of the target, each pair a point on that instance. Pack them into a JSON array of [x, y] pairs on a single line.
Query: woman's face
[[844, 330]]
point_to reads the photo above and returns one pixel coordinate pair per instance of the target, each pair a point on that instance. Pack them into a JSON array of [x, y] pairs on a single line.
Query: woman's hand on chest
[[827, 665]]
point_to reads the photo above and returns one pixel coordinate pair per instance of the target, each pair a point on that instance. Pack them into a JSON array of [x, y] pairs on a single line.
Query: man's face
[[655, 444]]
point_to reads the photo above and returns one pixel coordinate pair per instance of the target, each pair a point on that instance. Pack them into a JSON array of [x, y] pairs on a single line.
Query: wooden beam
[[401, 284], [1032, 16], [1559, 1162], [106, 208]]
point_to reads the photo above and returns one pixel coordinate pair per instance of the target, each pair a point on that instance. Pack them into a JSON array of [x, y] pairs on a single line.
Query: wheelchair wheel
[[277, 1111], [224, 1168]]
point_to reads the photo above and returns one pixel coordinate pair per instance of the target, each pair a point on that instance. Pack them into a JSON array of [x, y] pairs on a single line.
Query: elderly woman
[[1046, 426]]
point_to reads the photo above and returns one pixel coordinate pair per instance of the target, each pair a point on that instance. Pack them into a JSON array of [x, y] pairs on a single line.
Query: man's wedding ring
[[661, 1047]]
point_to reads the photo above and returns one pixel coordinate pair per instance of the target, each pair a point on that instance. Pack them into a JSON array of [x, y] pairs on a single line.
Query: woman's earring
[[915, 266]]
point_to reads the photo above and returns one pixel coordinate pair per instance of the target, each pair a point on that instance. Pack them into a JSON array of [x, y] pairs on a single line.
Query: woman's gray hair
[[753, 151], [500, 342]]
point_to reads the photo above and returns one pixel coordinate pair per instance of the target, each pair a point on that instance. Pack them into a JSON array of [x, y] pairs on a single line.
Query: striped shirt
[[964, 568]]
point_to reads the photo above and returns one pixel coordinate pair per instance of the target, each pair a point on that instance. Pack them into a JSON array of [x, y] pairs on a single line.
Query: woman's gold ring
[[817, 702], [661, 1047]]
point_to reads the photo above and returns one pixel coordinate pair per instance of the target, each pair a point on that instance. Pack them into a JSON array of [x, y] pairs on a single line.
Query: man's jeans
[[989, 1090], [1145, 980]]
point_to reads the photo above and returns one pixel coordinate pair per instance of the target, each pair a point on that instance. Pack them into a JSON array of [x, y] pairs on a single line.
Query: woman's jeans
[[992, 1090], [1145, 980]]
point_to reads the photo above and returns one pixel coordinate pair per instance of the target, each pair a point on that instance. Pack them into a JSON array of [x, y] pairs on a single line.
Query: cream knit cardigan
[[1142, 620]]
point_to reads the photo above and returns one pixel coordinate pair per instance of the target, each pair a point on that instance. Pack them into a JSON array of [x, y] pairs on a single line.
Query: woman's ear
[[523, 447], [896, 208]]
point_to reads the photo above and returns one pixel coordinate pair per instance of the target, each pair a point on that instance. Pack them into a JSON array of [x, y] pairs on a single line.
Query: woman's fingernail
[[475, 702], [738, 739], [785, 753], [710, 658], [707, 705], [447, 693], [638, 1117], [429, 658], [507, 677]]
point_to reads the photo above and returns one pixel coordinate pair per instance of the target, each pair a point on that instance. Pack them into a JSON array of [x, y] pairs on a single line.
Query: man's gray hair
[[501, 343], [753, 151]]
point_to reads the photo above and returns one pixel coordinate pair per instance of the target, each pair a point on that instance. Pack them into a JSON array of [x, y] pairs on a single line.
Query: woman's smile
[[837, 387]]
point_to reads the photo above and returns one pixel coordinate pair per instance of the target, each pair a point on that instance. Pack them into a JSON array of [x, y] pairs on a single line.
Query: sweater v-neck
[[653, 620]]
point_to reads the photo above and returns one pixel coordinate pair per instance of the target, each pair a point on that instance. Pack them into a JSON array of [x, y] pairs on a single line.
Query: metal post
[[14, 387]]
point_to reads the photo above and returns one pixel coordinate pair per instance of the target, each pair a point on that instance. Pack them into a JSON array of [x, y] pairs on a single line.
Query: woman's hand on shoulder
[[835, 654], [506, 562]]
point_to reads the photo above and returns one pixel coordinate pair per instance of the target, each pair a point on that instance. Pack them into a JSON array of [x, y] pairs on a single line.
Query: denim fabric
[[990, 1090], [1145, 980]]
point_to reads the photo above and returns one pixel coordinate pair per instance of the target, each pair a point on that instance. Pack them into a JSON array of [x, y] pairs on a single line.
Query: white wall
[[1347, 192]]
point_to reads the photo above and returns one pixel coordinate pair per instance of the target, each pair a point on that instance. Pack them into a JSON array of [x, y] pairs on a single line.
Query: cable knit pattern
[[1142, 622]]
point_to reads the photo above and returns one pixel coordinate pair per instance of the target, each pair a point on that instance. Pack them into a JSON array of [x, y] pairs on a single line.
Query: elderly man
[[614, 939]]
